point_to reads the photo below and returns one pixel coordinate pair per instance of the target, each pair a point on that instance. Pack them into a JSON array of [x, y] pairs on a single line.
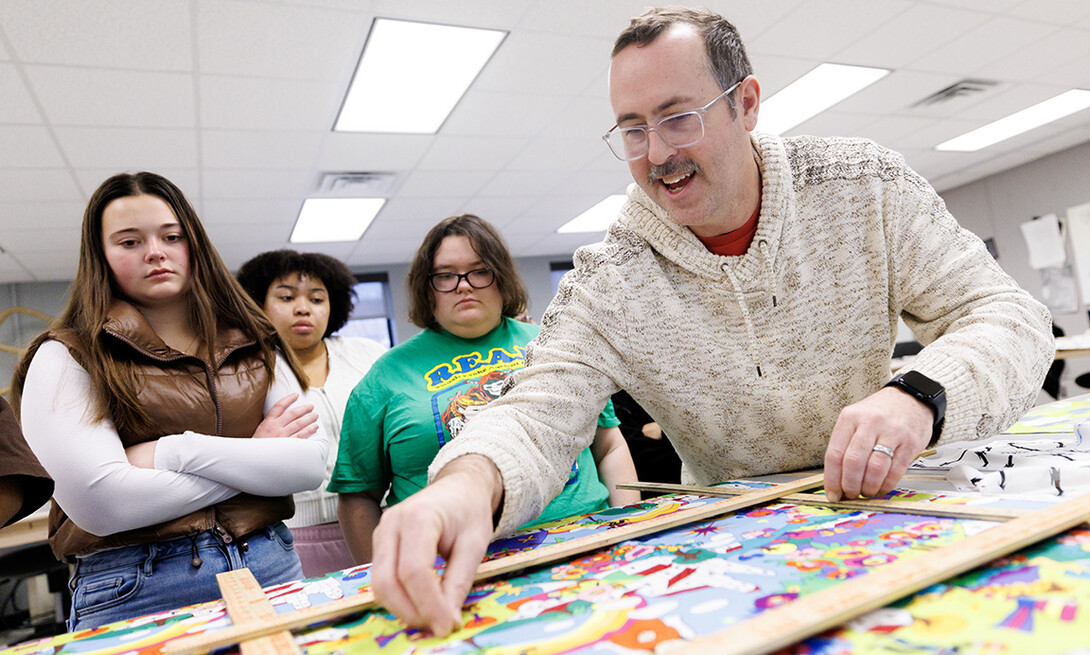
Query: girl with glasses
[[465, 292]]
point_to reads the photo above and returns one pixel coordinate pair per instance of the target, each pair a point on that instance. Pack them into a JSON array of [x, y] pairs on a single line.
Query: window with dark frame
[[372, 317]]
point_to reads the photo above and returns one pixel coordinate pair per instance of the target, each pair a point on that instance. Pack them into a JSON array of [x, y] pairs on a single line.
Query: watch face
[[922, 383]]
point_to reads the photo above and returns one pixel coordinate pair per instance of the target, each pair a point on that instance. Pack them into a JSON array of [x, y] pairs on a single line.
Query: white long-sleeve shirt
[[96, 484]]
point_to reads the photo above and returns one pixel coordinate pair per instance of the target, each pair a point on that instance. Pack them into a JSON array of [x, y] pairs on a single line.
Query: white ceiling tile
[[1048, 54], [549, 153], [819, 30], [219, 184], [275, 40], [16, 105], [185, 179], [521, 183], [494, 14], [898, 92], [269, 104], [74, 96], [833, 123], [518, 65], [425, 210], [148, 35], [13, 271], [383, 251], [252, 213], [42, 240], [451, 153], [20, 216], [445, 183], [1057, 12], [774, 73], [585, 119], [1008, 101], [128, 148], [27, 146], [753, 17], [260, 149], [997, 38], [577, 17], [895, 131], [49, 184], [487, 113], [406, 230], [498, 209], [354, 151], [993, 6], [920, 29]]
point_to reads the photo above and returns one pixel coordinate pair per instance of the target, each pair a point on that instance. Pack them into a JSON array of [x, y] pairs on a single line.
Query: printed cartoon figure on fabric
[[775, 359], [422, 394], [169, 413], [308, 297]]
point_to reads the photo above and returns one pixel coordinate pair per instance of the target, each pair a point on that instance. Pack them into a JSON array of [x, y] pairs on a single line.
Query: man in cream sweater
[[747, 297]]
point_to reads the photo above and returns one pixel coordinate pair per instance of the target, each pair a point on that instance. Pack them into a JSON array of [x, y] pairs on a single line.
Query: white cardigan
[[349, 360]]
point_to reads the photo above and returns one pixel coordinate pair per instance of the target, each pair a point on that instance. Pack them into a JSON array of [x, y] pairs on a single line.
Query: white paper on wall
[[1078, 230], [1044, 242]]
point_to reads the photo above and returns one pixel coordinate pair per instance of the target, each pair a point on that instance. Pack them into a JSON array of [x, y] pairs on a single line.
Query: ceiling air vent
[[957, 90], [356, 184]]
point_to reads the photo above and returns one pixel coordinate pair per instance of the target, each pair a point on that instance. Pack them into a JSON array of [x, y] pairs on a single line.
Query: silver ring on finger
[[885, 450]]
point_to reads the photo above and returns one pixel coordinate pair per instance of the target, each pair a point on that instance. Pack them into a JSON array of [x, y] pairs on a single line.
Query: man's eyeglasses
[[677, 130], [447, 282]]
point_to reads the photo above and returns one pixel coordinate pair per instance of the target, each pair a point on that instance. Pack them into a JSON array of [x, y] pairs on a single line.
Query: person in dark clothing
[[652, 452]]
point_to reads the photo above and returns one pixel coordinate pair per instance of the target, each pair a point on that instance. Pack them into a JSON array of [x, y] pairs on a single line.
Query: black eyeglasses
[[446, 282]]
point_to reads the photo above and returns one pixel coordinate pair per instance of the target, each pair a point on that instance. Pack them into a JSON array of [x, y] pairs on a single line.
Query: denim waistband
[[138, 553]]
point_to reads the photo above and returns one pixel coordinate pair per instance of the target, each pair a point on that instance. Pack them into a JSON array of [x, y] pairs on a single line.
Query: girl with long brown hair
[[145, 400]]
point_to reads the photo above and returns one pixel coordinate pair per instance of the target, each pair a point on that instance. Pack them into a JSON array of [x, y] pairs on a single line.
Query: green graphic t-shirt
[[420, 394]]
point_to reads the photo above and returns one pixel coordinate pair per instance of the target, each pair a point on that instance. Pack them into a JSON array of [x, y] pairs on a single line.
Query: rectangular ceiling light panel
[[325, 220], [411, 75], [1050, 110], [597, 218], [812, 94]]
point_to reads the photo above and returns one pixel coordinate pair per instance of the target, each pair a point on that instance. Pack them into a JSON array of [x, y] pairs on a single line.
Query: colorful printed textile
[[658, 591]]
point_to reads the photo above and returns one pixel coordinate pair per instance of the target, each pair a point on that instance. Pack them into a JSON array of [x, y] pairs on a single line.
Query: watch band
[[927, 391]]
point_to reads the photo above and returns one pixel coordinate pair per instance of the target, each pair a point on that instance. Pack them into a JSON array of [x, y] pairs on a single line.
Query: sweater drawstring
[[196, 561], [746, 318], [762, 245]]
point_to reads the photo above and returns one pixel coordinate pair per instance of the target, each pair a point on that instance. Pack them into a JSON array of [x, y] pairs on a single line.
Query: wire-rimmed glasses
[[676, 130], [479, 278]]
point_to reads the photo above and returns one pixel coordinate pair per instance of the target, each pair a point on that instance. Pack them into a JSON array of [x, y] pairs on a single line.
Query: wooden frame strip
[[247, 604], [809, 615], [873, 504], [235, 634]]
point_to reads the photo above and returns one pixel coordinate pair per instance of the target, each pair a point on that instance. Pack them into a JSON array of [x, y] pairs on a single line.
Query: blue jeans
[[122, 583]]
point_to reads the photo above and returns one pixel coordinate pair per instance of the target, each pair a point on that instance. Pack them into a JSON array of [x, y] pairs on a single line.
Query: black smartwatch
[[928, 392]]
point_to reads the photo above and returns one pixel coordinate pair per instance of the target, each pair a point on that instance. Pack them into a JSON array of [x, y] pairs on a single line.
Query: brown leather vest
[[223, 397]]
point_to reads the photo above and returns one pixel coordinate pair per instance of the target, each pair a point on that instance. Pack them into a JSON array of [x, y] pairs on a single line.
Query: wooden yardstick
[[248, 606]]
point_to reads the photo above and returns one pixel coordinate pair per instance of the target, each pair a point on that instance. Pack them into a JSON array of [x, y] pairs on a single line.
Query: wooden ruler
[[807, 616], [873, 504], [247, 605], [235, 634]]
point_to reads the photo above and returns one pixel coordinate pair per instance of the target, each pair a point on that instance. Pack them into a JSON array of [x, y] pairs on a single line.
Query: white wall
[[995, 207]]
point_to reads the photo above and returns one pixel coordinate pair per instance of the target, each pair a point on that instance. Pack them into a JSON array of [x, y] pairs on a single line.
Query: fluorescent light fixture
[[411, 75], [335, 219], [1053, 109], [595, 219], [813, 93]]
